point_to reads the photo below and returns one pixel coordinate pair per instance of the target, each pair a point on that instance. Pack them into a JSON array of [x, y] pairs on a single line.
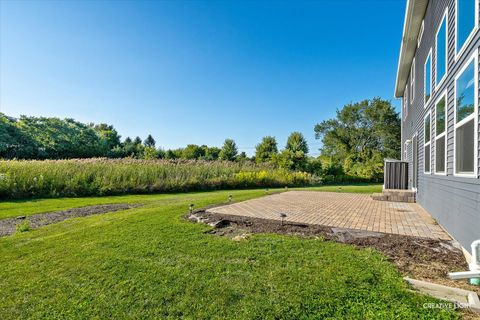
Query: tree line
[[354, 143]]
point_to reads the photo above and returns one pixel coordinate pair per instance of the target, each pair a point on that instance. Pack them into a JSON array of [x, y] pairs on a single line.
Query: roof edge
[[414, 13]]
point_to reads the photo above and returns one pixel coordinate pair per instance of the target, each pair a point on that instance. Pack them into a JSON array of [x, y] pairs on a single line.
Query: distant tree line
[[354, 143]]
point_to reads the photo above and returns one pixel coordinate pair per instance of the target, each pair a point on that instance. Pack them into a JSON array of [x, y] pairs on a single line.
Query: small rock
[[20, 217], [223, 223], [241, 237]]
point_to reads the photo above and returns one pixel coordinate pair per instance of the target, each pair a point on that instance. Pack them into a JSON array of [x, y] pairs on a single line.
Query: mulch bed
[[9, 226], [419, 258]]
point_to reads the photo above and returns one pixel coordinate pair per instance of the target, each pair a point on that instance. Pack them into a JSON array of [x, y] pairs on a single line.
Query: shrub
[[24, 226]]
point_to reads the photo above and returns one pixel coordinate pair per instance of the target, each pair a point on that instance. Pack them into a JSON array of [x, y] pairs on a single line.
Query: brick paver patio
[[341, 210]]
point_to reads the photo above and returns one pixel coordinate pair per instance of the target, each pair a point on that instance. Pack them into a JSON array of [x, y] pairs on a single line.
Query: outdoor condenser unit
[[395, 174]]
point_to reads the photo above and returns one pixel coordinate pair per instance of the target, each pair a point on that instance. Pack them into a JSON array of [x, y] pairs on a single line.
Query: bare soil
[[418, 258], [9, 226]]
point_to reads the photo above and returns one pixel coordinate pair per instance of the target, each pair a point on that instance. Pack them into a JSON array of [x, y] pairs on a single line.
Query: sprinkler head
[[229, 198]]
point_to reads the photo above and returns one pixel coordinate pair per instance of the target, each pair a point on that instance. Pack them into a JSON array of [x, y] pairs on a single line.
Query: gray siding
[[453, 201]]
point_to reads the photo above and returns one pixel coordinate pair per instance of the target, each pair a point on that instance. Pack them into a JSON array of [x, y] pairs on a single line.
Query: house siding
[[453, 201]]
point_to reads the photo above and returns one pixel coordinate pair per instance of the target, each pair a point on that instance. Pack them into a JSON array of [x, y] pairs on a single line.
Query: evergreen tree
[[149, 142], [229, 150], [265, 150]]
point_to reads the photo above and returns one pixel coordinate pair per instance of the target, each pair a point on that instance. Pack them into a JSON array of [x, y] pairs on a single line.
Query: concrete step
[[395, 196]]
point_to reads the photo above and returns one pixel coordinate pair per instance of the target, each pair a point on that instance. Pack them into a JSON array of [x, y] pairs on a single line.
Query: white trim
[[415, 135], [412, 82], [429, 57], [443, 134], [458, 53], [474, 116], [444, 18], [429, 143], [420, 34]]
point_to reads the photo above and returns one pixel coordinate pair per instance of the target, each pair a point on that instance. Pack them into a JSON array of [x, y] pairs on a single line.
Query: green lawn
[[15, 208], [149, 263]]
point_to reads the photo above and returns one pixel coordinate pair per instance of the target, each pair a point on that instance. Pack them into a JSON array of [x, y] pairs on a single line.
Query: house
[[437, 80]]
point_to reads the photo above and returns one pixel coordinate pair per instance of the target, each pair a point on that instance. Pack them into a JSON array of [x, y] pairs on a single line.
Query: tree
[[149, 142], [13, 142], [361, 136], [265, 150], [314, 166], [108, 135], [174, 154], [128, 148], [149, 153], [56, 138], [192, 151], [242, 157], [295, 154], [137, 140], [212, 153], [138, 148], [296, 142], [229, 150]]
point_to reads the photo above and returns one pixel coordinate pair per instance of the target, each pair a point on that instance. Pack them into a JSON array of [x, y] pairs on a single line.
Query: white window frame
[[405, 103], [412, 81], [444, 18], [425, 144], [474, 115], [405, 151], [425, 102], [444, 134], [459, 52], [415, 173], [420, 34]]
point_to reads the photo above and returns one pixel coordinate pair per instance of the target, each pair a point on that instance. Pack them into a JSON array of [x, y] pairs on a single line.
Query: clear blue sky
[[198, 71]]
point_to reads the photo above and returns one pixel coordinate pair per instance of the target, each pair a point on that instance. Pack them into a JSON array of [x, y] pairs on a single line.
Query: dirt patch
[[418, 258], [9, 226]]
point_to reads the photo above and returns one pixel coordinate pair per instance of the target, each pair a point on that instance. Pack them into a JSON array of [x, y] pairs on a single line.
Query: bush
[[24, 226]]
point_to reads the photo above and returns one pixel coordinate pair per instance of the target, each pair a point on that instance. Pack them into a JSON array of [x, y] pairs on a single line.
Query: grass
[[368, 188], [148, 262], [100, 177], [15, 208]]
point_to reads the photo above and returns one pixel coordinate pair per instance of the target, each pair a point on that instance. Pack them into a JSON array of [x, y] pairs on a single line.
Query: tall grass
[[87, 177]]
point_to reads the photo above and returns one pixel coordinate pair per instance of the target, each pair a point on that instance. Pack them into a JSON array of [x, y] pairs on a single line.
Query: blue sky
[[200, 71]]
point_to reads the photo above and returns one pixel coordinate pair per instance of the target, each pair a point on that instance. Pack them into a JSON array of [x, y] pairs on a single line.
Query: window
[[466, 22], [465, 129], [427, 142], [441, 135], [420, 35], [428, 79], [412, 81], [441, 50]]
